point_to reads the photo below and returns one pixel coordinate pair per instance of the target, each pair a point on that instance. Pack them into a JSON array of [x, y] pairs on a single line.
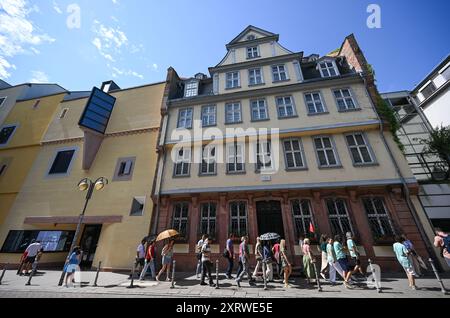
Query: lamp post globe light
[[88, 185]]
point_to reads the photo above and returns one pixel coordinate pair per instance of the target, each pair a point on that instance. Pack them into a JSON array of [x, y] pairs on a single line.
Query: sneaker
[[414, 287], [238, 283], [347, 285], [230, 277], [323, 276], [203, 283], [212, 285]]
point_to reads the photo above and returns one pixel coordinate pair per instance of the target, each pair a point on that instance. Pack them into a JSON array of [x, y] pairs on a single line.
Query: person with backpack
[[268, 259], [244, 258], [401, 252], [442, 240]]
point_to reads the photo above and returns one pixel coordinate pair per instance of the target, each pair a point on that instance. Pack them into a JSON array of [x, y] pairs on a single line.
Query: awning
[[73, 219]]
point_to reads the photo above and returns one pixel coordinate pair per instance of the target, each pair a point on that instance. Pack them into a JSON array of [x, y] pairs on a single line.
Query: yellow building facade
[[118, 217]]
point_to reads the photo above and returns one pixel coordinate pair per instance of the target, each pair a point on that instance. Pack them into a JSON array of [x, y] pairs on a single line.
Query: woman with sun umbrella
[[167, 252]]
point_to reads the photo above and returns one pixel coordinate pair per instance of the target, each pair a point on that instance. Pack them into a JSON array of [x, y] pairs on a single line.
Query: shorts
[[356, 261], [409, 270], [141, 261], [166, 260], [71, 268], [30, 259], [344, 264]]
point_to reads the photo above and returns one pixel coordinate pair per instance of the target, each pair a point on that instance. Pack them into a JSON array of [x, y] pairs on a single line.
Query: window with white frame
[[285, 106], [359, 148], [293, 153], [378, 215], [259, 109], [137, 206], [326, 152], [2, 100], [338, 216], [428, 90], [327, 69], [180, 218], [208, 219], [191, 89], [209, 115], [232, 80], [235, 157], [238, 218], [6, 133], [263, 155], [279, 73], [445, 73], [183, 162], [124, 169], [302, 214], [255, 76], [185, 118], [208, 165], [233, 113], [314, 103], [252, 52], [344, 99]]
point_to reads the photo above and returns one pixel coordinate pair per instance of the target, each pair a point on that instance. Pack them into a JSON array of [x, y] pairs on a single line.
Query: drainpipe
[[403, 181]]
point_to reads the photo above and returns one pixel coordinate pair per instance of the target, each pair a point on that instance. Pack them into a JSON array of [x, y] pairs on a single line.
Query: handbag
[[225, 253]]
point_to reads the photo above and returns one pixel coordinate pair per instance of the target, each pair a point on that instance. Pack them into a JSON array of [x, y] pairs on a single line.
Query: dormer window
[[252, 52], [328, 69], [191, 89], [251, 37]]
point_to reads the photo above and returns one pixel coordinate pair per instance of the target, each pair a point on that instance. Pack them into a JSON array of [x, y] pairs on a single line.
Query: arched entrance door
[[269, 217]]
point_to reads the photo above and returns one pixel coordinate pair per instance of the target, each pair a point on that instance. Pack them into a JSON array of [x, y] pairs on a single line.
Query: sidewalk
[[187, 286]]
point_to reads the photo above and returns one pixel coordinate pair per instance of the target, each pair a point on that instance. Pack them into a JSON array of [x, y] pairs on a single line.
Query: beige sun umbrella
[[166, 234]]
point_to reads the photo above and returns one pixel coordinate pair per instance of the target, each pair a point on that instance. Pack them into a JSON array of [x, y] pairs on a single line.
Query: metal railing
[[428, 167]]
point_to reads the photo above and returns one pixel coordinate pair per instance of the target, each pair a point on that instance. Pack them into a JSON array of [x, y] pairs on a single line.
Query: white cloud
[[39, 77], [115, 1], [155, 66], [116, 72], [57, 8], [108, 40], [17, 32], [35, 50]]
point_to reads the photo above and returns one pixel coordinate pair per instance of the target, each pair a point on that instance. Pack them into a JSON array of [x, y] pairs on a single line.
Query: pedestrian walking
[[323, 252], [286, 265], [244, 257], [31, 253], [442, 240], [402, 256], [268, 259], [206, 262], [149, 261], [276, 255], [415, 258], [258, 256], [37, 260], [229, 254], [308, 259], [331, 258], [72, 265], [198, 249], [342, 260], [140, 257], [354, 254], [167, 255]]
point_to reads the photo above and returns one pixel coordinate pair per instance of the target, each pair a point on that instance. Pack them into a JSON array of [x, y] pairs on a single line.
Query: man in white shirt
[[32, 250], [199, 255], [140, 256]]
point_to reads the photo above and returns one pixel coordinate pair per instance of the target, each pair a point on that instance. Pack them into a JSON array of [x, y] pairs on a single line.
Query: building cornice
[[107, 135], [253, 93], [256, 62], [294, 186], [265, 39]]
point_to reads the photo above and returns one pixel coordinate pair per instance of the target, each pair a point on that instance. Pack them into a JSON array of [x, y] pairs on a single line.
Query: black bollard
[[319, 288], [3, 273], [443, 289], [264, 268], [217, 274], [132, 276], [372, 270], [173, 274], [96, 275]]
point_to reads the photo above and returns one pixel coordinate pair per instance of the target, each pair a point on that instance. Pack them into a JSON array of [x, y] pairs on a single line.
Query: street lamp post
[[83, 185]]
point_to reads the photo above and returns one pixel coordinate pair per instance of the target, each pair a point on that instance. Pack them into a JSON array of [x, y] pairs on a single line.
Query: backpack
[[446, 244]]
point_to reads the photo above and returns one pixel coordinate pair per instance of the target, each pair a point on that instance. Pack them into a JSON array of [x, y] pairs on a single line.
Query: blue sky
[[135, 41]]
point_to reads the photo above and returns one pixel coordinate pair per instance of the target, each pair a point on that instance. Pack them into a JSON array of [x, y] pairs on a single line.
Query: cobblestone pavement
[[186, 286]]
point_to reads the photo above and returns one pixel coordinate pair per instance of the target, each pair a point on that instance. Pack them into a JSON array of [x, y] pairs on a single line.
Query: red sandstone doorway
[[269, 217]]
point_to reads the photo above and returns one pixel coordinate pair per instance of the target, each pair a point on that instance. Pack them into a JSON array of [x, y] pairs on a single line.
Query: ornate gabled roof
[[248, 29]]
